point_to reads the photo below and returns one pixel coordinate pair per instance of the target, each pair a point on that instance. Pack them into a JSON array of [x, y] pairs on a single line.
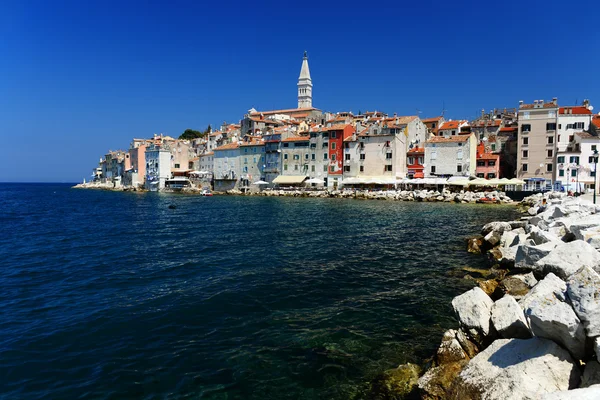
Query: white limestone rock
[[507, 239], [508, 319], [450, 349], [566, 258], [589, 393], [473, 309], [583, 288], [582, 224], [518, 369], [533, 210], [528, 254], [591, 374], [540, 237], [493, 238], [549, 316], [496, 226]]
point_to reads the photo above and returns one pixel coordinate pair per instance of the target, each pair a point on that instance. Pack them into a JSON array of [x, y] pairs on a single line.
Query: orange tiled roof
[[451, 125], [577, 110], [416, 150], [284, 111], [548, 104], [435, 119], [508, 129], [596, 121], [228, 146], [488, 156], [296, 139], [451, 139], [337, 127], [208, 154]]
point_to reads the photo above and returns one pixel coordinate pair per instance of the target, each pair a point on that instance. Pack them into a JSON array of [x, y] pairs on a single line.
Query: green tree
[[190, 134]]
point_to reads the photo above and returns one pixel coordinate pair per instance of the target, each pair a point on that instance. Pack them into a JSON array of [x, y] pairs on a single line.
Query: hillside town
[[541, 143]]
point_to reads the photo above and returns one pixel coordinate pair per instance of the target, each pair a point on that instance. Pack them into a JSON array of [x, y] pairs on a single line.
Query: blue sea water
[[116, 295]]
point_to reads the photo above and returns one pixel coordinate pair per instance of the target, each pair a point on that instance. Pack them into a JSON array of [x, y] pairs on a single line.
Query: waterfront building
[[226, 167], [135, 169], [295, 156], [415, 158], [506, 147], [536, 145], [158, 166], [318, 166], [488, 164], [252, 160], [451, 156], [453, 128], [181, 155], [272, 165], [575, 164], [335, 135], [571, 120]]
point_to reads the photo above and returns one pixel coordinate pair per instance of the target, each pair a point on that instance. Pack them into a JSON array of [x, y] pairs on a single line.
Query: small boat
[[206, 192], [487, 200]]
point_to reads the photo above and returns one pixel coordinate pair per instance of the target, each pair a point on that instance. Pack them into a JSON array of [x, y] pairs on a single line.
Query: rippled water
[[115, 295]]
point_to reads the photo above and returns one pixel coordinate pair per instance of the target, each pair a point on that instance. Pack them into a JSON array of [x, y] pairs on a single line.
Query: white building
[[158, 167], [571, 120], [452, 128], [451, 156], [575, 165], [252, 161], [226, 166]]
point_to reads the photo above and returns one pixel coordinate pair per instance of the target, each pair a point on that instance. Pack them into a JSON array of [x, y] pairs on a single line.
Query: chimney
[[541, 102], [555, 100], [520, 103], [586, 103]]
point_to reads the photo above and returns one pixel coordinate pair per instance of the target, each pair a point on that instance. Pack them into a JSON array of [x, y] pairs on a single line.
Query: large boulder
[[583, 288], [528, 254], [566, 258], [450, 349], [437, 381], [473, 309], [496, 226], [540, 237], [508, 319], [550, 317], [518, 285], [578, 226], [589, 393], [517, 369]]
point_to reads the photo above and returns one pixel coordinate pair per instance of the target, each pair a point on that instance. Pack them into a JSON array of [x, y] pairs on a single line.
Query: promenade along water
[[117, 295]]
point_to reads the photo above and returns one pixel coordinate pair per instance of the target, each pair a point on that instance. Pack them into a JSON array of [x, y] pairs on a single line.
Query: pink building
[[488, 164]]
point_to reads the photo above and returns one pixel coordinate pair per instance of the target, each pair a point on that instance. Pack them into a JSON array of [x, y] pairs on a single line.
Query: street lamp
[[595, 155]]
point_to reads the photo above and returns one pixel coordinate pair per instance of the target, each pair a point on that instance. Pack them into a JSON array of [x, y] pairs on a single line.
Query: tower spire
[[304, 85]]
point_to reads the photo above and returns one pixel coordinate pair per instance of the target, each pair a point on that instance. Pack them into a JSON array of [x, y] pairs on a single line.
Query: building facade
[[451, 156]]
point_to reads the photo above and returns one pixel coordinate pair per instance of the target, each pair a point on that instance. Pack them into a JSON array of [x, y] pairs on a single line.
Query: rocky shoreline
[[531, 331], [447, 196]]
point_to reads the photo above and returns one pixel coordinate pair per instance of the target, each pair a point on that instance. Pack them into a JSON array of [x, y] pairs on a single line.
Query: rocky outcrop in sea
[[533, 332]]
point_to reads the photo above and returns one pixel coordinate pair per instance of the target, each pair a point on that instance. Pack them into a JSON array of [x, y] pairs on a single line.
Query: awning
[[289, 179]]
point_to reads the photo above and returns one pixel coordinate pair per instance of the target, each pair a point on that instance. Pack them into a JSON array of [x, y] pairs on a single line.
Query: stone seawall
[[531, 331]]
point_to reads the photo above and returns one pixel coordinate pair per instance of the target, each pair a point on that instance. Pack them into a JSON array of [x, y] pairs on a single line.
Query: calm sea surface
[[115, 295]]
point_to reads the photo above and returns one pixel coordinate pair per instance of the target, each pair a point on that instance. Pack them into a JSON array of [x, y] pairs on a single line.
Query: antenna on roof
[[443, 108]]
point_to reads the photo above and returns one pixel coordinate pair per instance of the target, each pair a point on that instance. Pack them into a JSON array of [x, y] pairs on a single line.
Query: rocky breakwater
[[400, 195], [534, 331]]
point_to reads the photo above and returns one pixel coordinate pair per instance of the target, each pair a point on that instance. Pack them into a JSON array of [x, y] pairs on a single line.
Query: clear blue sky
[[78, 79]]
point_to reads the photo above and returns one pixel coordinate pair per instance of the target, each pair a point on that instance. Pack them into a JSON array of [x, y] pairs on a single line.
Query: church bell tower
[[304, 85]]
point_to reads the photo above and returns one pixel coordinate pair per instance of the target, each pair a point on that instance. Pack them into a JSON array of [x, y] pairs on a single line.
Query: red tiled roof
[[509, 129], [596, 121], [337, 127], [488, 156], [435, 119], [416, 150], [548, 104], [577, 110], [451, 139]]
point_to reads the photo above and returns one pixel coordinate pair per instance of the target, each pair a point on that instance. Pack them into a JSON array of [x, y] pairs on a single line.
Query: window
[[548, 167], [526, 115], [285, 167], [453, 132], [332, 169], [491, 175], [362, 156], [313, 145], [592, 173], [551, 114], [525, 153], [324, 168], [550, 139], [245, 169], [286, 145], [558, 138], [411, 160], [346, 168], [388, 156], [306, 156], [459, 154], [296, 167], [326, 135], [333, 157], [550, 126], [254, 159], [481, 175], [333, 135], [549, 154], [561, 172], [420, 160], [481, 163], [593, 147], [312, 168], [176, 165], [296, 156], [571, 138], [525, 128], [433, 155], [333, 146], [525, 167], [388, 168], [387, 144], [313, 156], [573, 172], [324, 156], [459, 168], [245, 160], [325, 145], [574, 159], [591, 159], [560, 159], [492, 163], [347, 157], [362, 168], [493, 146], [246, 150], [433, 169], [285, 156]]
